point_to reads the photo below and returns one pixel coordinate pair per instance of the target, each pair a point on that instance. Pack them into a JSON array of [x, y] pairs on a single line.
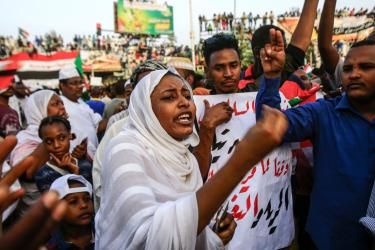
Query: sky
[[69, 17]]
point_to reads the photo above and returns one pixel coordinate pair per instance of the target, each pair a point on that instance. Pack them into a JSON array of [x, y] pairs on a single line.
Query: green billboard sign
[[144, 18]]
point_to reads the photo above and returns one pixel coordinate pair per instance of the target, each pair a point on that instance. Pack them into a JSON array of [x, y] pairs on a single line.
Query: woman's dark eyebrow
[[169, 90]]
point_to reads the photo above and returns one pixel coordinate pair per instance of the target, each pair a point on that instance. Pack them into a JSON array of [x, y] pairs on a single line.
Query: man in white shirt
[[85, 123]]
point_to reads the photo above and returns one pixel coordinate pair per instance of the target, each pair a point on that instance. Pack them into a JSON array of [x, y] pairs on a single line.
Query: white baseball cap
[[61, 185], [67, 73], [127, 83], [181, 63]]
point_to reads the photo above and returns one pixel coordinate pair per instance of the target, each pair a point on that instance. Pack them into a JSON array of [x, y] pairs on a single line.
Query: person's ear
[[72, 136], [205, 66], [257, 52], [190, 80]]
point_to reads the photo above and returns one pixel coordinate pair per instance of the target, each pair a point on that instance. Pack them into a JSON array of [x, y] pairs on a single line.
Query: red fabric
[[7, 70], [291, 90], [248, 79], [303, 172], [39, 57], [8, 65], [201, 91], [249, 71], [5, 81]]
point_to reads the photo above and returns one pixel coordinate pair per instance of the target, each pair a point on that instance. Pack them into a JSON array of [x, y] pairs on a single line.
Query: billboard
[[144, 18], [350, 28]]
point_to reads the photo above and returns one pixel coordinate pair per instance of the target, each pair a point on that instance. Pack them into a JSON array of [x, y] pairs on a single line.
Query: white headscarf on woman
[[35, 111], [173, 155], [149, 181], [28, 140]]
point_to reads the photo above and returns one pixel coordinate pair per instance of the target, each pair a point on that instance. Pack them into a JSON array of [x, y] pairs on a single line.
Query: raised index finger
[[279, 39], [273, 37]]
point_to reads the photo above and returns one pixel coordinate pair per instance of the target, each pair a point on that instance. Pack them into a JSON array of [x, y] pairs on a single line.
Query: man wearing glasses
[[85, 123]]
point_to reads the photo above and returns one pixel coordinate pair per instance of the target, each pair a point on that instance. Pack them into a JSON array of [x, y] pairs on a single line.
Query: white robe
[[84, 124], [111, 132]]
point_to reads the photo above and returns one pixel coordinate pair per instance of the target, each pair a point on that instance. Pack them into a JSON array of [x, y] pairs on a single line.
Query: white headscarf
[[172, 155], [35, 111]]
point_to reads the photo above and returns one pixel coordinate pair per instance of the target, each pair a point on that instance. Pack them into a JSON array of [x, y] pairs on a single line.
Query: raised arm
[[329, 55], [272, 57], [301, 120], [301, 37], [213, 117]]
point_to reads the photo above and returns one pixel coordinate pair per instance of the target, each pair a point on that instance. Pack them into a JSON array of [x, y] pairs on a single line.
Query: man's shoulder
[[330, 102], [115, 101], [251, 87], [6, 109], [321, 107], [7, 113]]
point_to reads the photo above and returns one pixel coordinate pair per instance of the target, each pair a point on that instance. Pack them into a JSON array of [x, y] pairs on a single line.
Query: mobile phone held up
[[84, 141], [220, 216]]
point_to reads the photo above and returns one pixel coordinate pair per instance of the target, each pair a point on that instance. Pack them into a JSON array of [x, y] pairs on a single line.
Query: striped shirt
[[369, 220]]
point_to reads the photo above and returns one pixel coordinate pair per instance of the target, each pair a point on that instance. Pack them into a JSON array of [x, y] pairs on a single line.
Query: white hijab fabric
[[173, 155], [149, 182], [35, 111]]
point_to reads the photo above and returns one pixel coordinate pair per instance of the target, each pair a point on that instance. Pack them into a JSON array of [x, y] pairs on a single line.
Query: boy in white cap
[[186, 70], [184, 67], [76, 229]]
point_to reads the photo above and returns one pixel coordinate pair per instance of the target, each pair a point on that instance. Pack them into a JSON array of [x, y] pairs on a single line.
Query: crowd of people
[[346, 11], [51, 42], [137, 167], [248, 22], [227, 22]]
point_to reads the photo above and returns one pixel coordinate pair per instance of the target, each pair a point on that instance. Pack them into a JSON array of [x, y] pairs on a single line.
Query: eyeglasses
[[76, 83]]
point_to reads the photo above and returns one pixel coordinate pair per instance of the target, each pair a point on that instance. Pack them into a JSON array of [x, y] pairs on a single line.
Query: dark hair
[[72, 182], [218, 42], [96, 91], [49, 120], [366, 42], [371, 36], [149, 65], [260, 37], [119, 87]]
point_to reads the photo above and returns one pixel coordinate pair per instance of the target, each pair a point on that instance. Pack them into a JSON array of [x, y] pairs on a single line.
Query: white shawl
[[35, 111], [148, 184]]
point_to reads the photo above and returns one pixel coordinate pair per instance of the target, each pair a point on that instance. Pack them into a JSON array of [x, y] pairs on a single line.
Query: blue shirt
[[344, 165], [46, 175], [97, 106], [57, 242]]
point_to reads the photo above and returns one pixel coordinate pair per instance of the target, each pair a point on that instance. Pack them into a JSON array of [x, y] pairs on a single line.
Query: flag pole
[[192, 35]]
